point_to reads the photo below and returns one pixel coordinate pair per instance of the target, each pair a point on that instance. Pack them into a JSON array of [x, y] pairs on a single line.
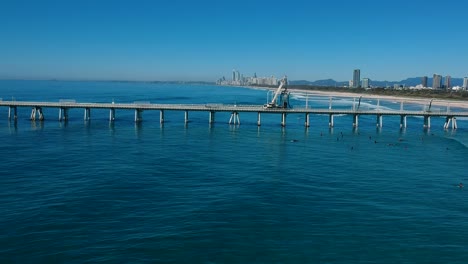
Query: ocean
[[125, 192]]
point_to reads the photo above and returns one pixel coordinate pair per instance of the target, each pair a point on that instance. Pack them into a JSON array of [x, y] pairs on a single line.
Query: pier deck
[[234, 109]]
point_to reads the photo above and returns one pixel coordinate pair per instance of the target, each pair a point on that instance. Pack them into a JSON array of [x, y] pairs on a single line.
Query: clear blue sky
[[204, 40]]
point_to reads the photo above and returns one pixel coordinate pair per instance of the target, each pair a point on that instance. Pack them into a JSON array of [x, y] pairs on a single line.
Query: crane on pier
[[282, 94]]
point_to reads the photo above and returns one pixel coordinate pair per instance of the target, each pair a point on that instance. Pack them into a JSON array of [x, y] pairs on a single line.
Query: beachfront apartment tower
[[357, 78], [365, 83], [448, 82], [424, 81], [236, 76], [436, 81], [465, 83]]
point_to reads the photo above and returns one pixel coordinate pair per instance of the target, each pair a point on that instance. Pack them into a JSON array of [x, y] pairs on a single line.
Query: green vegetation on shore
[[416, 93]]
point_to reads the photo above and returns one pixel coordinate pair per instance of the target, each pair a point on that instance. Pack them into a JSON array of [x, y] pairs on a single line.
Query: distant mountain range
[[407, 82]]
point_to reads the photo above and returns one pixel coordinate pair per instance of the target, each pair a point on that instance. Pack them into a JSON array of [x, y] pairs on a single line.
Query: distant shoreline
[[405, 99]]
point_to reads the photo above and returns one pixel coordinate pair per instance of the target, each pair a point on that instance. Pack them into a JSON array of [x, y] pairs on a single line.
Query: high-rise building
[[465, 83], [356, 78], [233, 75], [448, 82], [436, 81], [424, 81], [365, 83]]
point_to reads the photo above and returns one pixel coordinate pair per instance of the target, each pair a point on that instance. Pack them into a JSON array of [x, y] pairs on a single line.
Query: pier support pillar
[[138, 115], [379, 121], [330, 120], [403, 121], [41, 114], [87, 114], [161, 116], [63, 114], [112, 114], [427, 121], [186, 117], [447, 122], [258, 119], [307, 124], [212, 117], [35, 112], [12, 110], [283, 119], [355, 120], [234, 118]]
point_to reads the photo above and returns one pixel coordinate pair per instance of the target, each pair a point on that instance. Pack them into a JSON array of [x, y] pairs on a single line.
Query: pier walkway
[[211, 109]]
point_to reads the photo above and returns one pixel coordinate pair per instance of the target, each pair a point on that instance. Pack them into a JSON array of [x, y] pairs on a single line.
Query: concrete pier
[[63, 114], [283, 119], [402, 121], [449, 119], [379, 121], [427, 121], [161, 116], [138, 115], [87, 114], [15, 112], [355, 120], [36, 114], [234, 119], [235, 110], [212, 117], [112, 114]]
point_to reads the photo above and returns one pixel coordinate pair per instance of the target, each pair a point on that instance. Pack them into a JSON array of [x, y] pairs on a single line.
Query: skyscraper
[[424, 81], [465, 83], [357, 78], [436, 81], [233, 75], [448, 82], [365, 83]]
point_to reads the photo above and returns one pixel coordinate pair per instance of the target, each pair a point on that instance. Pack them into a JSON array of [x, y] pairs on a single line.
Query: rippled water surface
[[122, 192]]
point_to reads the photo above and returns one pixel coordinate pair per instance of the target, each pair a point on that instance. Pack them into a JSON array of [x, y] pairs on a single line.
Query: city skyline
[[437, 81], [108, 40]]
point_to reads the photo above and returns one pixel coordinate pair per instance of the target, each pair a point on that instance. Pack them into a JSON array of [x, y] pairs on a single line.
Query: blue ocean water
[[87, 192]]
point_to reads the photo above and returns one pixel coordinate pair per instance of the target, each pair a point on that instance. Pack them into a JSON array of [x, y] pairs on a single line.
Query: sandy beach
[[412, 100]]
